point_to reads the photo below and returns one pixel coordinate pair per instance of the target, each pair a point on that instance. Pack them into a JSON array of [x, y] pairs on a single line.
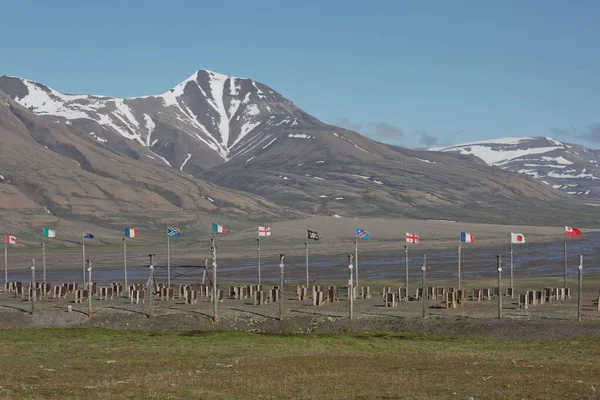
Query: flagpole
[[306, 244], [126, 288], [511, 267], [406, 267], [356, 259], [168, 258], [44, 256], [83, 254], [258, 250], [565, 276], [5, 262], [459, 251]]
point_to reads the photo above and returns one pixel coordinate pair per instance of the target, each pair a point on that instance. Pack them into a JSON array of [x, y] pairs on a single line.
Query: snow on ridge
[[189, 155], [558, 160], [510, 140]]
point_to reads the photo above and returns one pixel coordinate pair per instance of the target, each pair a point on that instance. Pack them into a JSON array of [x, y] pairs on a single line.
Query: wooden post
[[44, 258], [306, 244], [258, 249], [580, 288], [424, 294], [151, 286], [499, 266], [406, 268], [168, 258], [511, 267], [32, 294], [565, 266], [214, 283], [89, 270], [281, 265], [5, 261], [350, 287], [356, 261], [459, 266], [205, 263], [125, 263], [83, 256]]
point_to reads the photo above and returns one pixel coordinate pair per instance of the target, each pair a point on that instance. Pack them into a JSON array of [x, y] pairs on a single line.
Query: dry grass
[[46, 363]]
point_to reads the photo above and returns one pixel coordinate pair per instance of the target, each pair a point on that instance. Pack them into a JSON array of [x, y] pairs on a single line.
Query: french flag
[[467, 237], [131, 232]]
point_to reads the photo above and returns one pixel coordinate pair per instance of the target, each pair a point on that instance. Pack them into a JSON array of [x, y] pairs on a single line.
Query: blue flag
[[172, 231], [362, 234], [88, 235]]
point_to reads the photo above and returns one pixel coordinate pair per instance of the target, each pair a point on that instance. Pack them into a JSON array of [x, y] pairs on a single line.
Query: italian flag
[[49, 233], [216, 228]]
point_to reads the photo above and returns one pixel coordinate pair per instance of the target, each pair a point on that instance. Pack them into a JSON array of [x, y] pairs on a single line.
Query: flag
[[362, 234], [216, 228], [264, 231], [8, 239], [572, 232], [88, 235], [517, 238], [467, 237], [312, 235], [131, 232], [172, 231], [412, 238], [49, 233]]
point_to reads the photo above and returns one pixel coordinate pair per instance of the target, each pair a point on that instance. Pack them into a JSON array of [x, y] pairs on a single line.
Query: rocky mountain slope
[[569, 167], [242, 135]]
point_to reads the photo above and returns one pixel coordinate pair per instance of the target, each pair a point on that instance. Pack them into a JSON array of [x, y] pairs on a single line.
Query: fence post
[[499, 266], [350, 287], [281, 265], [32, 294], [580, 288], [89, 269], [424, 294]]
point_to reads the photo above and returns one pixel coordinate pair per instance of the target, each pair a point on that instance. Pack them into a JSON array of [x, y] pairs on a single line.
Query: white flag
[[264, 231], [517, 238]]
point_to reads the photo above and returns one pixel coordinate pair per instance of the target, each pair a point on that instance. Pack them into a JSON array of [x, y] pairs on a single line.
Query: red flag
[[8, 239], [572, 232]]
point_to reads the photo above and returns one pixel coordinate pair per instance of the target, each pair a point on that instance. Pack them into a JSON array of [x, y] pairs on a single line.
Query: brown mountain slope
[[51, 173]]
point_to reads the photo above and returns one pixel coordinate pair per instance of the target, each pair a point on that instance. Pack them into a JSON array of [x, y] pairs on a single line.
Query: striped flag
[[467, 237], [8, 239], [131, 232], [49, 233], [216, 228], [362, 234], [172, 231]]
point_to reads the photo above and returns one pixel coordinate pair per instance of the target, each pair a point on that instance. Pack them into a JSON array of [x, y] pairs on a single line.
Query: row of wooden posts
[[319, 296]]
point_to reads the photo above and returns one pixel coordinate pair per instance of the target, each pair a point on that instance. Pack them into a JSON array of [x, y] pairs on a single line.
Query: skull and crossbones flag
[[312, 235]]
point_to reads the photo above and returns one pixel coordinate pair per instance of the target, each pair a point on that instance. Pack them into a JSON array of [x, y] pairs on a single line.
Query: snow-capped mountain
[[569, 167], [207, 119]]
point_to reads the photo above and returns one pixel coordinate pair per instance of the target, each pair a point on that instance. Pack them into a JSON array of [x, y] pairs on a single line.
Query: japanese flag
[[517, 238]]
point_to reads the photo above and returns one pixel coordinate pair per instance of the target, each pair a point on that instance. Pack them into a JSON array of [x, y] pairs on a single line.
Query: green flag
[[49, 233]]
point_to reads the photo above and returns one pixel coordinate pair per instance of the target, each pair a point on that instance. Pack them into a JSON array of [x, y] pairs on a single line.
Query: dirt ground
[[554, 320]]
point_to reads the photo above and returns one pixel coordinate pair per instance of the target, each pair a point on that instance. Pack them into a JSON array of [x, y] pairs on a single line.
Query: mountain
[[253, 144], [569, 167], [53, 173]]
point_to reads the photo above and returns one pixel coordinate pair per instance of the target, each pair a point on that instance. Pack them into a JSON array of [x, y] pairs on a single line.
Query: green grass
[[60, 363]]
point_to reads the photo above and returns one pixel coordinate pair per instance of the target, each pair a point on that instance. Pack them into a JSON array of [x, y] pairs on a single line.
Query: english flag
[[8, 239], [517, 238], [264, 231], [412, 238], [467, 237], [572, 232], [131, 232]]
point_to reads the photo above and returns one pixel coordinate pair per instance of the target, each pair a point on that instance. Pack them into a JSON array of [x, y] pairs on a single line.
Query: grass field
[[101, 363]]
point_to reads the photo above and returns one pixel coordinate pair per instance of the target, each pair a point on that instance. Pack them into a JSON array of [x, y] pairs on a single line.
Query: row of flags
[[263, 231]]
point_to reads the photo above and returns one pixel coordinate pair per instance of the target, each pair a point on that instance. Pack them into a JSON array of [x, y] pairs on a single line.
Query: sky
[[410, 73]]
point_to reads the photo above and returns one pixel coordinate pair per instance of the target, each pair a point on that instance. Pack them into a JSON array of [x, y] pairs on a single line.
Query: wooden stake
[[458, 272], [281, 265], [89, 269], [151, 285], [258, 250], [125, 263], [565, 265], [406, 268], [214, 283], [424, 294], [32, 294], [580, 288], [350, 287], [499, 267]]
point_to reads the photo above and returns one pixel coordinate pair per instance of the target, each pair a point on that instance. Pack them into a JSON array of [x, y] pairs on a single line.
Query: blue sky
[[417, 73]]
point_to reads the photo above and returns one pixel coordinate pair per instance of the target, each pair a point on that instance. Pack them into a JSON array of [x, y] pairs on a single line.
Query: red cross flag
[[517, 238], [412, 238], [264, 231]]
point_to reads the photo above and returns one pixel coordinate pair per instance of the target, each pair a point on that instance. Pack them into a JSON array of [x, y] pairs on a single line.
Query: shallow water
[[530, 260]]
